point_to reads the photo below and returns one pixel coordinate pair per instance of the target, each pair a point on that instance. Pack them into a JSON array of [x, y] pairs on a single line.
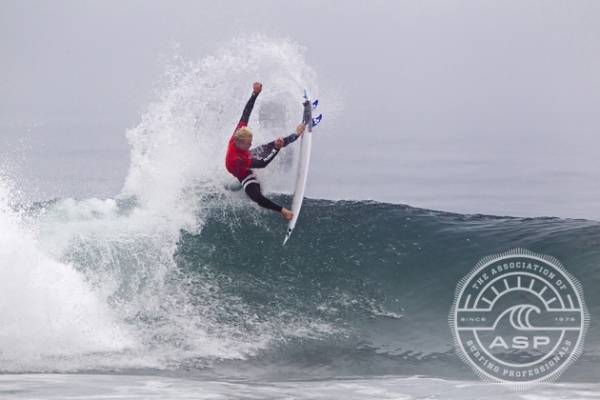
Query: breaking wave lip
[[116, 258], [48, 311]]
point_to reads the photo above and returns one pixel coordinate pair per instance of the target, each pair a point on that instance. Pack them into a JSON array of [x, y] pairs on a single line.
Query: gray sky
[[468, 106]]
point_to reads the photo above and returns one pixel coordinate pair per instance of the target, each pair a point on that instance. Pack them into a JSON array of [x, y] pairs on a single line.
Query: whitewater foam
[[96, 282], [47, 308]]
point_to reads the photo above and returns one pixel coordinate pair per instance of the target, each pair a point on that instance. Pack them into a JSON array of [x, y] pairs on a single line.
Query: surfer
[[240, 160]]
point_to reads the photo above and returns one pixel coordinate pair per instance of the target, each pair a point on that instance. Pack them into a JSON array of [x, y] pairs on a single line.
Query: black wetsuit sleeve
[[289, 139], [261, 156], [248, 110]]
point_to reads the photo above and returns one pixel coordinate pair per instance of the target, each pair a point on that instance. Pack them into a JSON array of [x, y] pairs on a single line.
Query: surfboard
[[302, 174]]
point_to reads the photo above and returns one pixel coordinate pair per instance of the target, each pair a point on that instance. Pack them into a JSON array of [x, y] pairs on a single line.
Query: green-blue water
[[362, 289], [382, 276]]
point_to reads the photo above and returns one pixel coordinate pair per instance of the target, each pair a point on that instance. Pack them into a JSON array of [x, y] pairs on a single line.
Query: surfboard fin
[[315, 121], [286, 237]]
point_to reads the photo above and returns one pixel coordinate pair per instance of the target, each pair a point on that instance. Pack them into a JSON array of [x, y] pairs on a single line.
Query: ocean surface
[[177, 287]]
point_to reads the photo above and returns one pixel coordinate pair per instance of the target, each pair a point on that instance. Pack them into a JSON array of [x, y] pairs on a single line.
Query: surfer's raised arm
[[256, 89]]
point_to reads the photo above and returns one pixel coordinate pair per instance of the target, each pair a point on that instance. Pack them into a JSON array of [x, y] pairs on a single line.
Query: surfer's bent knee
[[253, 191]]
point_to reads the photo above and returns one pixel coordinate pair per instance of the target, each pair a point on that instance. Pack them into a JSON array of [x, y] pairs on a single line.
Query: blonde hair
[[241, 134]]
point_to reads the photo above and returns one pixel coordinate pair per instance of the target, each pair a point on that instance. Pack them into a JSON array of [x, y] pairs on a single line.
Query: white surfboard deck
[[302, 174]]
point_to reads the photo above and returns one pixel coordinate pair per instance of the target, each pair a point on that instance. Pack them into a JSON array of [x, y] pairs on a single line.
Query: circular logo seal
[[519, 318]]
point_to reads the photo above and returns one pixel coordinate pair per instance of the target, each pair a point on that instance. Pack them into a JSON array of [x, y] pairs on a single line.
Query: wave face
[[363, 288], [181, 273], [381, 276]]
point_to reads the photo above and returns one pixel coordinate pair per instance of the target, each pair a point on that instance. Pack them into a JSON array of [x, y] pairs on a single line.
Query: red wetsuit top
[[238, 161]]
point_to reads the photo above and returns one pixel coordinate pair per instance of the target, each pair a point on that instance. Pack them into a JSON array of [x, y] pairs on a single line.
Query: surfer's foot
[[287, 213]]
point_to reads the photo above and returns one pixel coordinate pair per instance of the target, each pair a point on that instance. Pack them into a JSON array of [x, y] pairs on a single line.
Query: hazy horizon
[[474, 107]]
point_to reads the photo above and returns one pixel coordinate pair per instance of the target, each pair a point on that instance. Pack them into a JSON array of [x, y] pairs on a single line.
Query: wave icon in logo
[[519, 318]]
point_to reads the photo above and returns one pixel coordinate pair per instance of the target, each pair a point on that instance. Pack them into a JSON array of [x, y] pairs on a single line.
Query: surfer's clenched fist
[[257, 87], [279, 143]]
